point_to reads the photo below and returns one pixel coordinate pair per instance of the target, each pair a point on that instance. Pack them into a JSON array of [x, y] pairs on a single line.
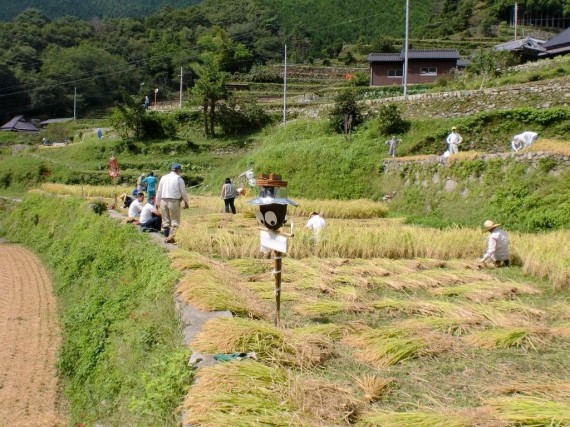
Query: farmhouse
[[424, 66], [19, 124]]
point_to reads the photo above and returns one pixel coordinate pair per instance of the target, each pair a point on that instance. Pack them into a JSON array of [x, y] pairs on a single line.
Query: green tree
[[390, 120], [210, 88], [346, 113]]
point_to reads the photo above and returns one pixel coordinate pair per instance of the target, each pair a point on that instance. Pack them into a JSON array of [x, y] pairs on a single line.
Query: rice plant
[[211, 290], [382, 418], [271, 344], [531, 411], [373, 386], [386, 346], [85, 190], [329, 308], [486, 290], [523, 337]]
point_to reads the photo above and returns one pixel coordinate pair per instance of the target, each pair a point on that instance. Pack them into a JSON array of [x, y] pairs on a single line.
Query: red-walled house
[[424, 66]]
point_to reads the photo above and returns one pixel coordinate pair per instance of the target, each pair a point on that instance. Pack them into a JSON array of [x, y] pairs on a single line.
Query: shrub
[[346, 114], [390, 120], [241, 118]]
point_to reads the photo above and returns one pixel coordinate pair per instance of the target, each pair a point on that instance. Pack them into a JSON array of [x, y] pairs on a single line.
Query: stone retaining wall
[[397, 165], [553, 93]]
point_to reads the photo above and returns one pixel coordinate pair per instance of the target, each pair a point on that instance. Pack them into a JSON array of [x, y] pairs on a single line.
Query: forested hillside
[[45, 56], [88, 9]]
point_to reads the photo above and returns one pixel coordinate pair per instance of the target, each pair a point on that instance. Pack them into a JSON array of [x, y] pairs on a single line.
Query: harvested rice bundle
[[184, 260], [250, 266], [229, 335], [531, 411], [486, 290], [561, 330], [244, 394], [347, 293], [530, 313], [419, 307], [559, 311], [331, 330], [210, 290], [452, 325], [430, 279], [373, 386], [386, 346], [553, 390], [523, 337], [381, 418], [323, 402], [505, 317], [330, 308]]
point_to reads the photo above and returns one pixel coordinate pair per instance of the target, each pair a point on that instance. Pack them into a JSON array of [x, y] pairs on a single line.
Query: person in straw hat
[[453, 140], [497, 244]]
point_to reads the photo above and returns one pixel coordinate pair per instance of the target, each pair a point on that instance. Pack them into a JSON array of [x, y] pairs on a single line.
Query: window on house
[[428, 71], [395, 73]]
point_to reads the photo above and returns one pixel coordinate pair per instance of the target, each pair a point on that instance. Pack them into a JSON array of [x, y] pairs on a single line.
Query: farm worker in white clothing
[[453, 140], [497, 244], [171, 191], [316, 223], [523, 140]]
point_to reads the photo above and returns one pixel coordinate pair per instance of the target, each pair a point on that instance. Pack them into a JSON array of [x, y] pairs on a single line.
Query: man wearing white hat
[[453, 140], [497, 244]]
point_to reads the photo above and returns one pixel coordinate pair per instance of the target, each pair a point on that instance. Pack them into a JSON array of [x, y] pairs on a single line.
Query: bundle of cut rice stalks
[[486, 290], [213, 290], [330, 308], [551, 390], [430, 279], [523, 337], [278, 346], [249, 394], [531, 411], [387, 346], [381, 418], [184, 260]]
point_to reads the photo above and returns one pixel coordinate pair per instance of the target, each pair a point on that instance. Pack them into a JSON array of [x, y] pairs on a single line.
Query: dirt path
[[29, 339]]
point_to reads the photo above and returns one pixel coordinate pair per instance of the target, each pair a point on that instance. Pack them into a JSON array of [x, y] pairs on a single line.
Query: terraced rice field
[[369, 340]]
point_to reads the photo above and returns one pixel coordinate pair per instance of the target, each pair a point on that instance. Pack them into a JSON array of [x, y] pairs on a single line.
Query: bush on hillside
[[346, 114], [390, 120], [241, 117]]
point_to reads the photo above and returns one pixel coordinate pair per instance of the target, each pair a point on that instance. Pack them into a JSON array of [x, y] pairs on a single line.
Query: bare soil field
[[29, 337]]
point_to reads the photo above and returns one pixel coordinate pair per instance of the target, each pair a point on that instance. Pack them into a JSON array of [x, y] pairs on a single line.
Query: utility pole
[[516, 18], [75, 103], [181, 74], [405, 76], [285, 88]]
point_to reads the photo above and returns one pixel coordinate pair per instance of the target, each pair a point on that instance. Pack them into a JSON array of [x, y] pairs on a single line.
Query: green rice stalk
[[531, 411], [381, 418], [523, 337]]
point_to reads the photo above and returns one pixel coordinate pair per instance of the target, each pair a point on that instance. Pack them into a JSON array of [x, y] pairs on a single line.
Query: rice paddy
[[382, 324]]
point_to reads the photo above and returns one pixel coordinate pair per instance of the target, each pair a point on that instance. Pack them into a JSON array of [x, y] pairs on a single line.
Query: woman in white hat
[[497, 244]]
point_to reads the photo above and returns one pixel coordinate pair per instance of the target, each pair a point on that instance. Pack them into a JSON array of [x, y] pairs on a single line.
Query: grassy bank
[[121, 362]]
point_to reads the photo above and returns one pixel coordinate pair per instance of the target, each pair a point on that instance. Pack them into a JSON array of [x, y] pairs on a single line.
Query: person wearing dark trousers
[[228, 195]]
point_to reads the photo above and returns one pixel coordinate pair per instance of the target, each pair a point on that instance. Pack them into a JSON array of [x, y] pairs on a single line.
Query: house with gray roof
[[558, 45], [424, 66], [19, 124]]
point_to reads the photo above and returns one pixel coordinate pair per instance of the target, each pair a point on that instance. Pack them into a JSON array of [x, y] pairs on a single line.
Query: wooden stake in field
[[272, 202], [277, 274]]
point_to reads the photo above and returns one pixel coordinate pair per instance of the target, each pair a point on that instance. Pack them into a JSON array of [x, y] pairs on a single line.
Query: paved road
[[29, 339]]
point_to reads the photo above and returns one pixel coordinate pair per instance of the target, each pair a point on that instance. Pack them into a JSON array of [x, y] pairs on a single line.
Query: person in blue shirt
[[150, 182]]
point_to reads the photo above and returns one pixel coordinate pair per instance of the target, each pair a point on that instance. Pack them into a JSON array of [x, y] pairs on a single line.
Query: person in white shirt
[[150, 219], [136, 206], [497, 244], [171, 191], [316, 223], [453, 140], [523, 140]]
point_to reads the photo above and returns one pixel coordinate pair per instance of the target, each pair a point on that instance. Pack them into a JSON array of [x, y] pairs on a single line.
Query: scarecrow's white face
[[272, 216]]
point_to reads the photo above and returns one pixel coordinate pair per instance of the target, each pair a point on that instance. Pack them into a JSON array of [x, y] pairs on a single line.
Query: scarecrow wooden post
[[113, 167], [272, 202]]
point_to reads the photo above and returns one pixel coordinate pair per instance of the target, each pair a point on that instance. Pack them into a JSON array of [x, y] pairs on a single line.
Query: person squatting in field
[[497, 244]]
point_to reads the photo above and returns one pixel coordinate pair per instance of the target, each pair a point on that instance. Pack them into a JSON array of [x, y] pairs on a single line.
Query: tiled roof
[[18, 123], [527, 42], [561, 39], [415, 54]]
